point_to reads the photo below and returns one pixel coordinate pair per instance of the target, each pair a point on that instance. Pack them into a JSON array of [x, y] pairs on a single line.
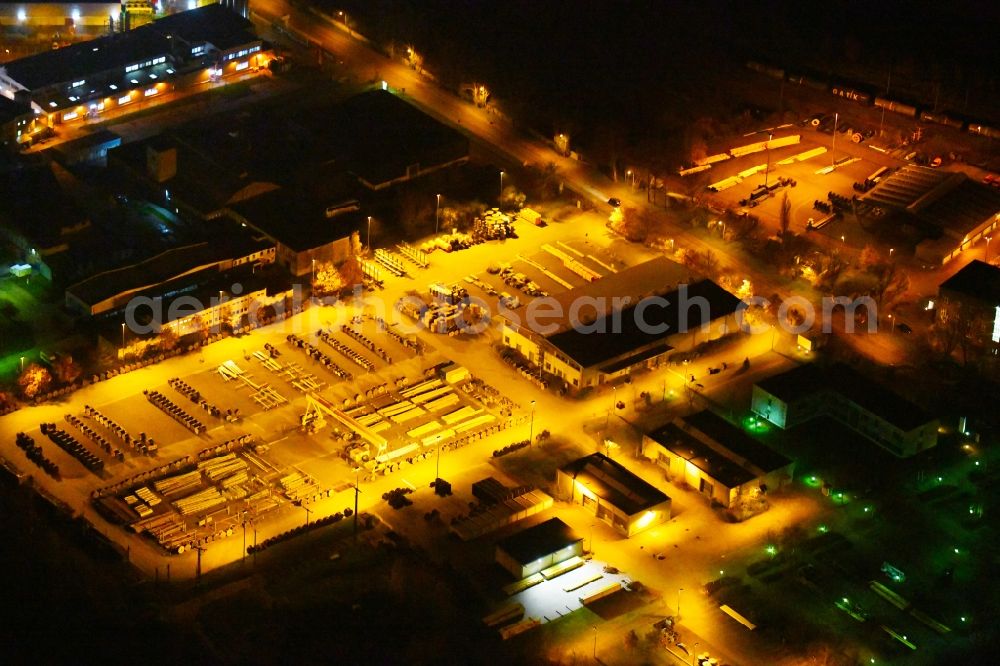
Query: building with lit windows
[[718, 459], [871, 410], [973, 294], [630, 320], [129, 69], [29, 14], [613, 494], [17, 122]]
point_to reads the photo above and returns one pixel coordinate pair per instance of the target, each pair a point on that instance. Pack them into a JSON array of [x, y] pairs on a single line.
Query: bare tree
[[784, 216]]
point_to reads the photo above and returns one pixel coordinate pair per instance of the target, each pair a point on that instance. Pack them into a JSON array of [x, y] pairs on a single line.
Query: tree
[[168, 339], [327, 280], [66, 370], [351, 273], [784, 216], [891, 283], [869, 259], [512, 198], [632, 223], [34, 380]]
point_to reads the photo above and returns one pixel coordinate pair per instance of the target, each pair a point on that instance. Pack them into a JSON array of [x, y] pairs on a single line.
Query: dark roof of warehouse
[[212, 23], [737, 441], [588, 346], [536, 542], [808, 379], [951, 201], [978, 280], [296, 221], [377, 136], [155, 272], [714, 463], [614, 483]]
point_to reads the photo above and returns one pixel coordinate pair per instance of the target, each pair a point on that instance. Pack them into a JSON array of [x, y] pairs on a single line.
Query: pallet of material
[[460, 414], [430, 395], [178, 486], [395, 408], [147, 496], [523, 584], [602, 593], [506, 615], [420, 388], [557, 570], [573, 587], [381, 426], [143, 510], [425, 429], [409, 415], [480, 420], [443, 402], [368, 420], [524, 625], [199, 502]]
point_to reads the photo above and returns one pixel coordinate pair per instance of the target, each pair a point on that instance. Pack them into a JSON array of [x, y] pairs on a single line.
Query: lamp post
[[767, 168], [437, 215], [123, 336], [891, 250], [679, 590], [313, 274], [595, 642], [369, 232], [986, 255], [22, 364], [892, 320], [531, 428], [500, 199], [833, 145]]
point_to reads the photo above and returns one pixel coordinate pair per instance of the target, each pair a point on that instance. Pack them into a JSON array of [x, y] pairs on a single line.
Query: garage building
[[613, 494]]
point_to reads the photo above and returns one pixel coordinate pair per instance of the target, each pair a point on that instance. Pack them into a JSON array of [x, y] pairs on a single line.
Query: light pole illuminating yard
[[437, 215], [833, 145], [500, 200], [369, 232], [531, 428]]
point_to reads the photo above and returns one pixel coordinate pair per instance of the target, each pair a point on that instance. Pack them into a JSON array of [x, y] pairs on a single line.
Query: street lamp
[[531, 428], [986, 255], [595, 642], [893, 321], [891, 250], [313, 275], [22, 364], [437, 215], [369, 232], [500, 200], [843, 239], [123, 335], [679, 590], [833, 145], [767, 168]]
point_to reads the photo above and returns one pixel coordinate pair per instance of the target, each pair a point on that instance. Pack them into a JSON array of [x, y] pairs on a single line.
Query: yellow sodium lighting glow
[[646, 520]]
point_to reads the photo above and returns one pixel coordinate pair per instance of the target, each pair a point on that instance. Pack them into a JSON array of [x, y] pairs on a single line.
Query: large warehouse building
[[951, 211], [626, 321]]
